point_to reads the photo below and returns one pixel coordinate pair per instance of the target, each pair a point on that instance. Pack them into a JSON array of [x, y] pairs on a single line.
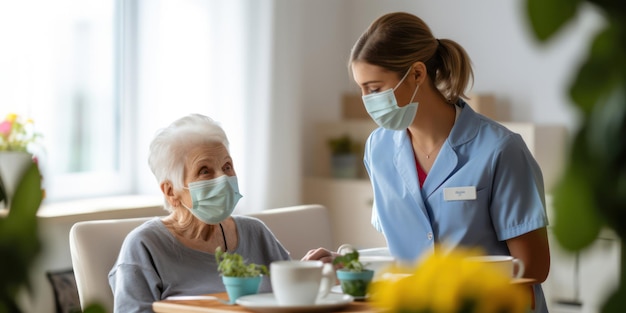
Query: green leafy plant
[[3, 193], [344, 153], [19, 241], [343, 145], [233, 265], [353, 276], [592, 192], [349, 262]]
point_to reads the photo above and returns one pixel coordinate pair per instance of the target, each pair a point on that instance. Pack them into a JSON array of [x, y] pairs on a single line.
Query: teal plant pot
[[344, 166], [355, 283], [241, 286]]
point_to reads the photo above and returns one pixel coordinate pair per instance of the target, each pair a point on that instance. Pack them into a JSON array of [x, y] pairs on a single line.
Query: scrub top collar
[[463, 130], [446, 161]]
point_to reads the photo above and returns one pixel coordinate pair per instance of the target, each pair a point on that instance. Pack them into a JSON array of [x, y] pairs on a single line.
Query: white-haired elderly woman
[[174, 255]]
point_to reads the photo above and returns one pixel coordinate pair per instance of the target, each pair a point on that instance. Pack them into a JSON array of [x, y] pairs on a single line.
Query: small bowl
[[377, 263]]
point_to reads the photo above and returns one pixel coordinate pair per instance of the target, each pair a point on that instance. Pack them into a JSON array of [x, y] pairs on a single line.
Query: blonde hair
[[395, 41]]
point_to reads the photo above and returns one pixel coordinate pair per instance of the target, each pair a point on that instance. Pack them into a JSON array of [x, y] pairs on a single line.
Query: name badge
[[459, 193]]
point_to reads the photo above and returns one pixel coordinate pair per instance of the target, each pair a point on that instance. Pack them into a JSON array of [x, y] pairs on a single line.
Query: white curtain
[[215, 57]]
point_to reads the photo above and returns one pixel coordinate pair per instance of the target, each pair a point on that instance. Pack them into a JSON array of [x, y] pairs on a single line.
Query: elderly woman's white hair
[[169, 148]]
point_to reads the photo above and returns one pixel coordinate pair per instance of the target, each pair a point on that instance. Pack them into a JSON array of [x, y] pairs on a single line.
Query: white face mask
[[384, 110], [214, 200]]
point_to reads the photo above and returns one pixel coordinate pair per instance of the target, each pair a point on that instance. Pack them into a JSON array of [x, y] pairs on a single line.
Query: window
[[60, 67], [100, 77]]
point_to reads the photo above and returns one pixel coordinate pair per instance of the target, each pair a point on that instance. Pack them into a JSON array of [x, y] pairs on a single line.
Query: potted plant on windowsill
[[353, 275], [344, 154], [16, 135], [239, 278]]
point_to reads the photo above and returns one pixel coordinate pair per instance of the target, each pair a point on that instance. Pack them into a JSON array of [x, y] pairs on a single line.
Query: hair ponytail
[[454, 74]]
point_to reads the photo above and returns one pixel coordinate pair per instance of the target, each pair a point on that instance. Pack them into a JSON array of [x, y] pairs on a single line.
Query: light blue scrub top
[[479, 153]]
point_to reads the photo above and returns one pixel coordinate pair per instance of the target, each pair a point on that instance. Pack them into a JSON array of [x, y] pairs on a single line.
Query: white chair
[[299, 228], [94, 246]]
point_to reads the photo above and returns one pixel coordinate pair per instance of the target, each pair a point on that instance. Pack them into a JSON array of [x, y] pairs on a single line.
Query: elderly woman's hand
[[321, 254]]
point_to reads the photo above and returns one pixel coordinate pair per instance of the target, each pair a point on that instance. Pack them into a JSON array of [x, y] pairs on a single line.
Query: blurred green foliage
[[20, 243], [343, 145], [592, 192], [95, 308], [2, 192]]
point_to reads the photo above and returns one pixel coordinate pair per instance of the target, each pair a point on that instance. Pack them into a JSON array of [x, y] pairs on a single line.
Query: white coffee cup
[[507, 264], [298, 283]]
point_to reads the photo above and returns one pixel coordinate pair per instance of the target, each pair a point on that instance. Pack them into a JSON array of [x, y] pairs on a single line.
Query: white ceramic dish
[[377, 263], [266, 303]]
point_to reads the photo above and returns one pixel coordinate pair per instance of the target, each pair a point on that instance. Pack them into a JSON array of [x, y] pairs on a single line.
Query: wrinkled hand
[[321, 254]]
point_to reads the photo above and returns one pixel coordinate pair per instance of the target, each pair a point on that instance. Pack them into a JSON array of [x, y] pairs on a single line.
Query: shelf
[[358, 130]]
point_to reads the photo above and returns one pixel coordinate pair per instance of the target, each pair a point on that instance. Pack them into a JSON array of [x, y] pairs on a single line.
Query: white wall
[[531, 78], [320, 63]]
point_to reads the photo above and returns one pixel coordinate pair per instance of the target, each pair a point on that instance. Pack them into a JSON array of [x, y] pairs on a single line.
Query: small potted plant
[[353, 275], [343, 152], [239, 278]]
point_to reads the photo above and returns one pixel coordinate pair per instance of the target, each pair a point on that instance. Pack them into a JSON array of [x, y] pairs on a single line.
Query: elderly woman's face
[[208, 161]]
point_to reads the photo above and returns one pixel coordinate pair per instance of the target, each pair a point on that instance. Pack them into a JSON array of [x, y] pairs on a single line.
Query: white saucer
[[266, 303], [337, 289]]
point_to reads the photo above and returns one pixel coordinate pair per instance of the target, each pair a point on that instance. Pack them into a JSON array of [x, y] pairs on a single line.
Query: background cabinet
[[350, 204], [348, 200], [581, 282]]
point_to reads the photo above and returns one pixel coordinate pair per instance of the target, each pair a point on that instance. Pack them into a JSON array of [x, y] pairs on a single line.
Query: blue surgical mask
[[214, 200], [384, 110]]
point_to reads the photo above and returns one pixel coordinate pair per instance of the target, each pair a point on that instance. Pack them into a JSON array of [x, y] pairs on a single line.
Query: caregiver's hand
[[321, 254]]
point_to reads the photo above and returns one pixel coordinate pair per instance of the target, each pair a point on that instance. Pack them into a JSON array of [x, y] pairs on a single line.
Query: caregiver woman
[[440, 172]]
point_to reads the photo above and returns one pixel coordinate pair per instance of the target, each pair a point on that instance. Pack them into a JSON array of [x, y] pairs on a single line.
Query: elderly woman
[[174, 255]]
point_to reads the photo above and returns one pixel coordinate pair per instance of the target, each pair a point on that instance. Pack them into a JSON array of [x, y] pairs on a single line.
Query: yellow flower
[[445, 282], [11, 117]]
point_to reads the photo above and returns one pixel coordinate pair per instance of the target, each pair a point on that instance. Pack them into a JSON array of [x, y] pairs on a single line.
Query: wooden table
[[210, 306]]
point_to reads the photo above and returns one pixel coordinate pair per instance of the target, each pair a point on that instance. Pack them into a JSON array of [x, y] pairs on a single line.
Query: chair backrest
[[94, 246], [299, 228]]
